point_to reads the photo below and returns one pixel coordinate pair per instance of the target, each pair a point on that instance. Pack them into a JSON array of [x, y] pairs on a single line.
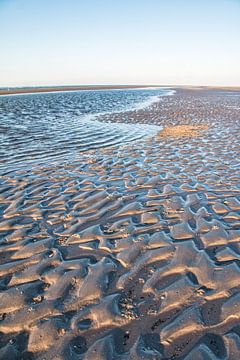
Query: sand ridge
[[129, 252]]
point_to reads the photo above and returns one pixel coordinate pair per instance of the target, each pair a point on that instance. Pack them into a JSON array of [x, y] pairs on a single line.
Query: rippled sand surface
[[128, 251]]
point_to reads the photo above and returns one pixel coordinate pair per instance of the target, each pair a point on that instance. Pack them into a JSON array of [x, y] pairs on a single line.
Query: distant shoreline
[[31, 90], [46, 89]]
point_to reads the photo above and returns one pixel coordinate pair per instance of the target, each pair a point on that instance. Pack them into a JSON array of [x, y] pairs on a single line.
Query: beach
[[130, 250]]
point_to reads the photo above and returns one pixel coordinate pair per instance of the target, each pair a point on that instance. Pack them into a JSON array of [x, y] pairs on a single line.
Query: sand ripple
[[129, 252]]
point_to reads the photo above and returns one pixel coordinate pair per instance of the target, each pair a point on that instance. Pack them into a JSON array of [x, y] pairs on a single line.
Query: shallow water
[[40, 127]]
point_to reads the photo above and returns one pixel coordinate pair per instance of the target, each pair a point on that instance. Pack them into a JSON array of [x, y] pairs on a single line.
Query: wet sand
[[131, 251]]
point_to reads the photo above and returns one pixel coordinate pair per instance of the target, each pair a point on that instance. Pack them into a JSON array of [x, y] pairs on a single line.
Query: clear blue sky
[[45, 42]]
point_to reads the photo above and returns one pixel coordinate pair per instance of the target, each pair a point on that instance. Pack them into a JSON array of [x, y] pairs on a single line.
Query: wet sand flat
[[46, 89], [129, 251]]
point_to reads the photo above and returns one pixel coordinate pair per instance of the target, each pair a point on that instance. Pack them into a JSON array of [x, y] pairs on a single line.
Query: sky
[[158, 42]]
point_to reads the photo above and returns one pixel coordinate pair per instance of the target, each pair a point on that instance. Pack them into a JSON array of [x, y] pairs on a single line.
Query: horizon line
[[12, 90]]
